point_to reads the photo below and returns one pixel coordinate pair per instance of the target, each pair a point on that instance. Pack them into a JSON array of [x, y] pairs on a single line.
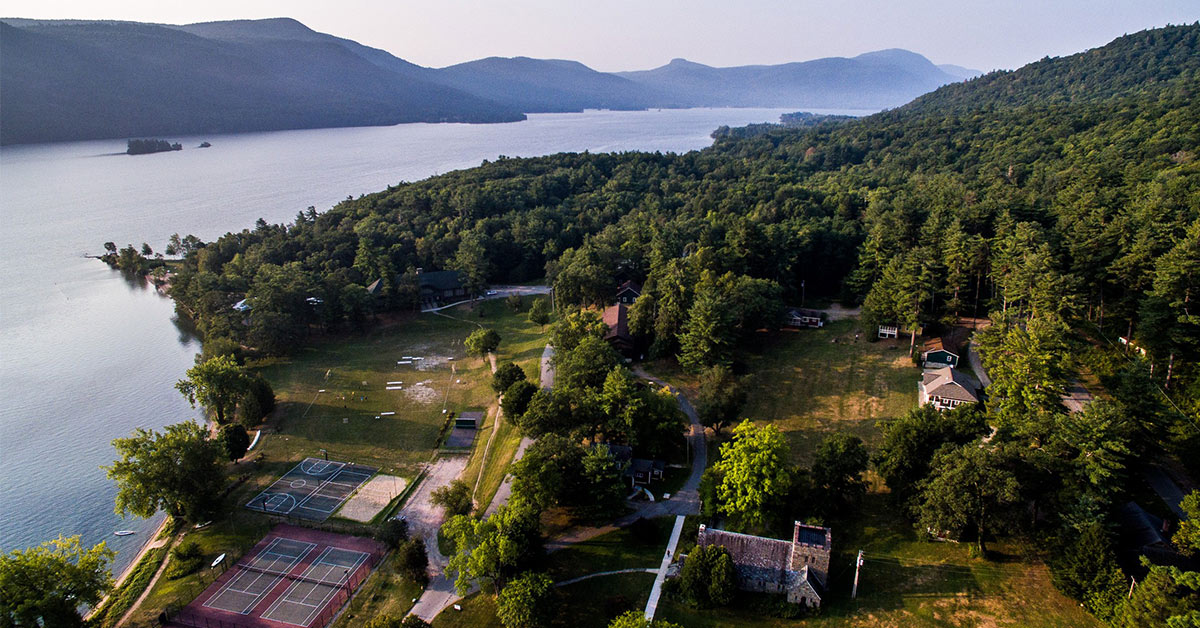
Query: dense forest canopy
[[1065, 194]]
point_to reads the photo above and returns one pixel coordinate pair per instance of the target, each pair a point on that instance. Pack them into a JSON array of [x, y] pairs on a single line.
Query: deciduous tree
[[754, 474], [970, 488], [47, 585], [217, 384], [482, 342], [178, 470], [526, 601]]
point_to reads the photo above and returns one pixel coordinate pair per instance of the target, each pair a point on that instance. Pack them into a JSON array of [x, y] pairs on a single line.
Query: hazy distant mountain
[[958, 71], [70, 80], [548, 85], [887, 78], [85, 80]]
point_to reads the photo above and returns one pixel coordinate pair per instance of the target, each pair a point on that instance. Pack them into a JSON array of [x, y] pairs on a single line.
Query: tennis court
[[312, 490], [293, 577]]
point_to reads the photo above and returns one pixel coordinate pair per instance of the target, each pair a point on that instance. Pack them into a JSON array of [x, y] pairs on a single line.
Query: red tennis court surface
[[293, 577]]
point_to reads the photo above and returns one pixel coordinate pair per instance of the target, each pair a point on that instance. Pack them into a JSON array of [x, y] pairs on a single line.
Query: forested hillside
[[1063, 195]]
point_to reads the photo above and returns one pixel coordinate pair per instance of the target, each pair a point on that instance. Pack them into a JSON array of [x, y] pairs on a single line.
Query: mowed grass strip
[[591, 603]]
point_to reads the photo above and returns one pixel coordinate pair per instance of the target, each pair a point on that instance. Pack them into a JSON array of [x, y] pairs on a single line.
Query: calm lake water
[[86, 357]]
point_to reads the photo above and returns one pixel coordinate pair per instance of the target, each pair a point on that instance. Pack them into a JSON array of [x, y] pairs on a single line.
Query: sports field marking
[[325, 591], [247, 583]]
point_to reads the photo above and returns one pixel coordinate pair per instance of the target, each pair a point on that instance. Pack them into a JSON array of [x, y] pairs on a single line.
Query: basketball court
[[312, 490], [293, 577]]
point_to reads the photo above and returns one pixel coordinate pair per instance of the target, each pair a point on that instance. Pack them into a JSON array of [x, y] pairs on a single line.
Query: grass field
[[810, 386], [592, 602], [587, 604]]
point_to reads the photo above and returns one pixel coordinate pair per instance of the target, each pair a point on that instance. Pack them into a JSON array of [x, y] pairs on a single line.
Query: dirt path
[[166, 559], [605, 573]]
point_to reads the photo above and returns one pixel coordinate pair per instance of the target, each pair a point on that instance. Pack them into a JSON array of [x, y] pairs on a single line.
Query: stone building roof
[[748, 550]]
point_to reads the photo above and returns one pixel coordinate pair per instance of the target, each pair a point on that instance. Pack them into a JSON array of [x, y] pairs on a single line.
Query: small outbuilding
[[800, 317], [941, 352], [468, 420]]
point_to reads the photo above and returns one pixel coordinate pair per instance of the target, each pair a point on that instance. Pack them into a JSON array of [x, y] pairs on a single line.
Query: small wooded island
[[147, 146]]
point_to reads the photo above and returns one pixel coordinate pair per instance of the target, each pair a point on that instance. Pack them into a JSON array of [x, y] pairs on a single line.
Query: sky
[[611, 35]]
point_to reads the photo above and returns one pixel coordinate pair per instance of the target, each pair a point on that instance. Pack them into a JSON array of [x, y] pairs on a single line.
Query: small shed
[[941, 352], [469, 420], [800, 317]]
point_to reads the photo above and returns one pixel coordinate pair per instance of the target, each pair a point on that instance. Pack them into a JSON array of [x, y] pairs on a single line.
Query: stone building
[[797, 568]]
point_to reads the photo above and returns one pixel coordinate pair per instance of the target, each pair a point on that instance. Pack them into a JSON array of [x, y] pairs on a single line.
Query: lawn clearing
[[810, 386], [357, 418]]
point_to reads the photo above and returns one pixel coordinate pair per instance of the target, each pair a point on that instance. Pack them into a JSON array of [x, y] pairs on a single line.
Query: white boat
[[124, 532]]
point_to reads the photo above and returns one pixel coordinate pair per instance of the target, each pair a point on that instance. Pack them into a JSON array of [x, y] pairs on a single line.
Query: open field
[[810, 386], [588, 604]]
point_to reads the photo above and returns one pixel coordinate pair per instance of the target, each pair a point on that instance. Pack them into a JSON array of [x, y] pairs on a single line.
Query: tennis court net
[[340, 582]]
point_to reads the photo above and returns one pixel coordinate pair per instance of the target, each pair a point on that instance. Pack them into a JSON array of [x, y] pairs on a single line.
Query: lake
[[86, 357]]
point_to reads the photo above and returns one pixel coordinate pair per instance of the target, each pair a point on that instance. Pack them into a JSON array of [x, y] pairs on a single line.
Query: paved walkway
[[505, 490], [977, 366], [495, 292], [668, 556], [605, 573], [1077, 397]]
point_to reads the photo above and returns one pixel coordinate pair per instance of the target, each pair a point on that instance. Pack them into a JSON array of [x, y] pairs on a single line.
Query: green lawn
[[384, 593], [589, 604], [810, 386], [592, 602], [625, 548]]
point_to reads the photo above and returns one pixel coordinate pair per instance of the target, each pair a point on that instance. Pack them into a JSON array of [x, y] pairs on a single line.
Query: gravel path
[[424, 519]]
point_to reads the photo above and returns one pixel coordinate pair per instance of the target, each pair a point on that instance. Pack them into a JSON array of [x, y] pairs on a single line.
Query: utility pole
[[858, 563], [801, 293]]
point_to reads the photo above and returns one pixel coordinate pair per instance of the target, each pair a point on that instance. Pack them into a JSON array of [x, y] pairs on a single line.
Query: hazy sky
[[638, 34]]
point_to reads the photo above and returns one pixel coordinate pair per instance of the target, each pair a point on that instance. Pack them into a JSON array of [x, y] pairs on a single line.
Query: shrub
[[412, 560], [186, 558], [392, 533]]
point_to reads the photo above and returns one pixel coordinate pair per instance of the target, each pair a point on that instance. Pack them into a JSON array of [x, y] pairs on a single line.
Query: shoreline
[[137, 558]]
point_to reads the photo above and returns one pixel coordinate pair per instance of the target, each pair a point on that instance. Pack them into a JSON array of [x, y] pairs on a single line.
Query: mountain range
[[73, 80]]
